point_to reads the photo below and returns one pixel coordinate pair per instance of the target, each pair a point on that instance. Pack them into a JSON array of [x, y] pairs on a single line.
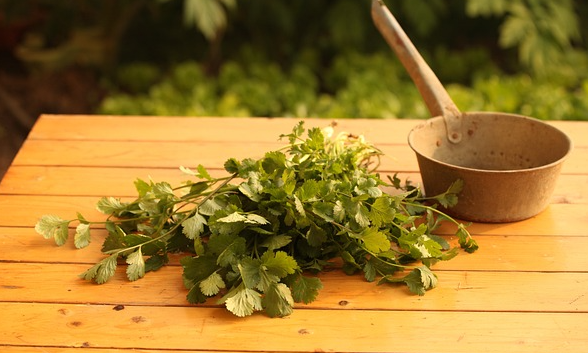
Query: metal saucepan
[[509, 163]]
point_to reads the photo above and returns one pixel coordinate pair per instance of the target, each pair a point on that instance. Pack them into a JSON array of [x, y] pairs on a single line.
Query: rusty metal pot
[[509, 163]]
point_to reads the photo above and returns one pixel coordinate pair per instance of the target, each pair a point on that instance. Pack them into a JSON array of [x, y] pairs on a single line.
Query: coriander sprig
[[256, 236]]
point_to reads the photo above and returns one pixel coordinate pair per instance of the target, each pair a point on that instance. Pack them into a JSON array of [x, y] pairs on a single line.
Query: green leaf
[[193, 226], [198, 188], [297, 131], [227, 247], [251, 188], [308, 190], [244, 302], [279, 263], [339, 211], [51, 226], [212, 285], [419, 244], [155, 262], [382, 211], [102, 271], [196, 269], [81, 218], [234, 217], [199, 248], [203, 173], [316, 235], [369, 270], [142, 187], [486, 8], [209, 16], [419, 280], [111, 206], [253, 218], [306, 289], [250, 270], [277, 300], [374, 240], [299, 206], [316, 139], [115, 238], [276, 241], [195, 295], [136, 265], [232, 165], [362, 216], [324, 210], [209, 207], [82, 236], [163, 190], [274, 161], [466, 241], [449, 198]]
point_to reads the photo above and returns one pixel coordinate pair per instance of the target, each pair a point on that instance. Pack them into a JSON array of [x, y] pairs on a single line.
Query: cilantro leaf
[[243, 301], [374, 240], [155, 262], [279, 263], [227, 247], [381, 211], [251, 273], [102, 271], [419, 280], [193, 226], [305, 289], [276, 241], [212, 284], [136, 265], [51, 226], [316, 235], [196, 269], [111, 205], [82, 236], [466, 241], [277, 300]]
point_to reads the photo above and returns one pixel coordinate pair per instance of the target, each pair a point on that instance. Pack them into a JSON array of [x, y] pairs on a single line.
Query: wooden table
[[525, 290]]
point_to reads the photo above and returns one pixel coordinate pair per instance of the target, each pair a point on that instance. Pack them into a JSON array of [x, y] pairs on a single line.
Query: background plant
[[314, 58]]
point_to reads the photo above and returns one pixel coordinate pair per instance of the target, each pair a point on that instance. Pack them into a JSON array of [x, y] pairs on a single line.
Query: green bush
[[354, 86]]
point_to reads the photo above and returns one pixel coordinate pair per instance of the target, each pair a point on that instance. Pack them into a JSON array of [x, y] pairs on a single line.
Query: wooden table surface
[[524, 290]]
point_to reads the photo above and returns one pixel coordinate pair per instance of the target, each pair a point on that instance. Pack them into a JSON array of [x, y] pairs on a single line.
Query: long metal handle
[[434, 94]]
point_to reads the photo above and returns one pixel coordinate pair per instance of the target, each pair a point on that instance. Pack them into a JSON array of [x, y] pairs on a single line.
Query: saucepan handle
[[434, 94]]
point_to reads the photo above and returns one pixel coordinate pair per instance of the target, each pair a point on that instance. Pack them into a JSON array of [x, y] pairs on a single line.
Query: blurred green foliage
[[317, 58]]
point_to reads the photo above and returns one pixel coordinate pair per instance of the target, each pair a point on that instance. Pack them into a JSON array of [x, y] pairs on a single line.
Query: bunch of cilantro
[[256, 237]]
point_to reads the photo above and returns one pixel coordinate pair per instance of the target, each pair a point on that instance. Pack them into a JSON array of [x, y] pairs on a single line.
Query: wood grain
[[524, 290], [155, 327], [526, 253], [24, 211], [119, 128], [456, 290], [152, 154]]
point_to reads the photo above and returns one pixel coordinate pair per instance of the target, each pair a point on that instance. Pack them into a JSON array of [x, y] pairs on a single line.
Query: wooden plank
[[558, 219], [112, 181], [206, 129], [496, 253], [99, 181], [456, 290], [98, 326], [147, 154], [140, 154], [41, 349], [87, 181], [61, 127]]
